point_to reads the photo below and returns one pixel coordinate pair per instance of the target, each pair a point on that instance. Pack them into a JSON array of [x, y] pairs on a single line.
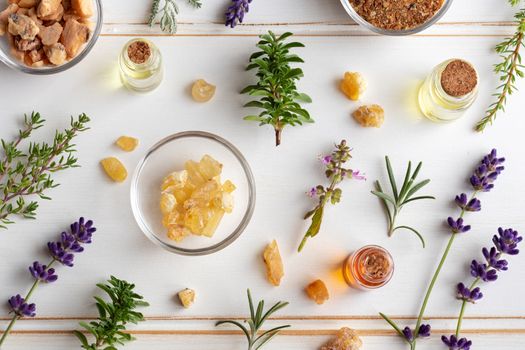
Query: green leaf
[[317, 219], [384, 197], [303, 97], [417, 198], [414, 231], [416, 188], [255, 104], [82, 338], [391, 177]]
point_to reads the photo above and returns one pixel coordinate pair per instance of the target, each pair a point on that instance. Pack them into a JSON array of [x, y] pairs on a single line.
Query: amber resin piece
[[347, 339], [127, 143], [318, 292], [370, 116], [114, 169], [274, 263], [202, 91], [187, 297], [353, 85]]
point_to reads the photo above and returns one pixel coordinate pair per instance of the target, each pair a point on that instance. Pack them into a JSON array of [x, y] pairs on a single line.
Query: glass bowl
[[12, 62], [360, 20], [170, 154]]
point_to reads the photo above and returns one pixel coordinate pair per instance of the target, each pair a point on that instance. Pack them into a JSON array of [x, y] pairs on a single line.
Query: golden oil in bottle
[[448, 91], [370, 267], [140, 65]]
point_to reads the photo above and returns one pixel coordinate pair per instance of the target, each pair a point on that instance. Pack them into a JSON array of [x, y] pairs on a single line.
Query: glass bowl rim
[[361, 21], [13, 64], [231, 237]]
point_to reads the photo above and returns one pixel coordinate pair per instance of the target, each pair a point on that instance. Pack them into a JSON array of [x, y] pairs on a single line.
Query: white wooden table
[[204, 48]]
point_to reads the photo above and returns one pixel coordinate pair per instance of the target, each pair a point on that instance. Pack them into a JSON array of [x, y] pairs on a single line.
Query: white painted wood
[[393, 67]]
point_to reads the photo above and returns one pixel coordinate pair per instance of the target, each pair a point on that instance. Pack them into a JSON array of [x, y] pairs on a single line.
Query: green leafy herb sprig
[[508, 69], [170, 10], [395, 202], [277, 88], [114, 315], [336, 173], [257, 338], [27, 173]]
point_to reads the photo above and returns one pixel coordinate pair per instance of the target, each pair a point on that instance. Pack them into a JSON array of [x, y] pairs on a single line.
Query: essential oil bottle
[[140, 65], [370, 267]]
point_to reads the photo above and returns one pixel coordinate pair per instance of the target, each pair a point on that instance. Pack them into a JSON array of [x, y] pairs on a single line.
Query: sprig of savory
[[276, 87], [28, 173], [509, 69], [170, 10]]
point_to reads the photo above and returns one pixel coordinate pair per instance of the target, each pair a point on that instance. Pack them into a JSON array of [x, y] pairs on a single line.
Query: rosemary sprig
[[24, 174], [395, 202], [257, 338], [170, 10], [508, 69], [277, 88], [109, 330]]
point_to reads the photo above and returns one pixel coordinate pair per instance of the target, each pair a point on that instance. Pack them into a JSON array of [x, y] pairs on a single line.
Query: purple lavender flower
[[471, 296], [235, 12], [61, 255], [83, 230], [424, 331], [457, 225], [468, 205], [407, 333], [42, 273], [483, 271], [507, 241], [487, 172], [20, 307], [71, 242], [493, 259], [454, 343]]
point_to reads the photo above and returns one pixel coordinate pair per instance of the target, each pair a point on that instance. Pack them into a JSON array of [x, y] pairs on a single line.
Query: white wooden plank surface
[[449, 152]]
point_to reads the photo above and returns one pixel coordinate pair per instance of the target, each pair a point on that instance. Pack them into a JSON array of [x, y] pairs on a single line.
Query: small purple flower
[[42, 273], [461, 200], [83, 230], [235, 12], [493, 259], [20, 307], [483, 271], [457, 225], [454, 343], [407, 333], [356, 174], [507, 241], [312, 193], [473, 205], [58, 252], [487, 172], [424, 331], [471, 296], [326, 159]]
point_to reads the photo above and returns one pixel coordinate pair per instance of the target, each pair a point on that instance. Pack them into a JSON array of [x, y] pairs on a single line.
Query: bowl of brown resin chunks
[[48, 36], [396, 17]]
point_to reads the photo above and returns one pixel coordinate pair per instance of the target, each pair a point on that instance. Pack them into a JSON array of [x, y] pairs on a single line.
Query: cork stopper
[[459, 78], [139, 52]]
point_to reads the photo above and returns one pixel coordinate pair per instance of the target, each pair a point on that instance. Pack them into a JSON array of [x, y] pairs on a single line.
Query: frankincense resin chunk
[[318, 292], [127, 143], [370, 116], [347, 339], [353, 85], [187, 297], [274, 263], [114, 169]]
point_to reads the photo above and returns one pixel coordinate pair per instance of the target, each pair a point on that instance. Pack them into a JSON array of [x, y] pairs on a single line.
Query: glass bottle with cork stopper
[[449, 90], [140, 64], [370, 267]]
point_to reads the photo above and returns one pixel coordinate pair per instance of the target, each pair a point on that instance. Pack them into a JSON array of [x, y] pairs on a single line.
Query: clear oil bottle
[[141, 66]]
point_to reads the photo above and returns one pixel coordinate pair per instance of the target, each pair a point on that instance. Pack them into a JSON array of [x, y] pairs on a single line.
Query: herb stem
[[8, 329], [463, 308]]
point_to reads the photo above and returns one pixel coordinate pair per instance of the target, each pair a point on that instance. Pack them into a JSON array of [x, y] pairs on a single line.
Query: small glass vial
[[140, 65], [449, 90], [370, 267]]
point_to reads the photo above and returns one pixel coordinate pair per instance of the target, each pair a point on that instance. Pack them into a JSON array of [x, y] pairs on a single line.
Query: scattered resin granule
[[274, 263], [370, 116], [114, 169], [353, 85], [186, 297], [127, 143], [202, 91], [318, 292], [347, 339]]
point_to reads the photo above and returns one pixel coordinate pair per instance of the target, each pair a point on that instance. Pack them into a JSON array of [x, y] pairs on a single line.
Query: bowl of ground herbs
[[396, 17]]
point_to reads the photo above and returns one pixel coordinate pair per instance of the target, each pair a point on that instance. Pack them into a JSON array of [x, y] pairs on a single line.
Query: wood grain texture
[[393, 67]]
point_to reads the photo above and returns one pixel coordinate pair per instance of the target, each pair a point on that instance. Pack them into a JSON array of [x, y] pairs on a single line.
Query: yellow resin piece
[[347, 339], [202, 91], [353, 85], [370, 116], [194, 201], [114, 169], [318, 292], [127, 143], [274, 263], [187, 297]]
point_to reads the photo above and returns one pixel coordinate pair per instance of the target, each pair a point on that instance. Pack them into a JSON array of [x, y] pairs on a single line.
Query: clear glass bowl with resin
[[7, 58], [169, 155], [363, 22]]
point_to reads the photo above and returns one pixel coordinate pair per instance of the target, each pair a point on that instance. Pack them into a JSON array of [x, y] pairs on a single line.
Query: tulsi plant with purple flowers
[[62, 252], [395, 202], [505, 243], [482, 180], [236, 11], [335, 173]]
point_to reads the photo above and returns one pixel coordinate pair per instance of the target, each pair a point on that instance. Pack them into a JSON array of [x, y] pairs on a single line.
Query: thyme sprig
[[257, 338], [276, 87], [28, 173], [508, 69], [170, 10], [395, 202], [114, 315]]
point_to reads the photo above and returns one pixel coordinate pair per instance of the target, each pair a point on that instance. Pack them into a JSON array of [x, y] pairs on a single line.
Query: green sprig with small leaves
[[114, 316], [509, 69], [336, 173], [170, 10], [399, 198], [255, 336], [28, 173], [276, 88]]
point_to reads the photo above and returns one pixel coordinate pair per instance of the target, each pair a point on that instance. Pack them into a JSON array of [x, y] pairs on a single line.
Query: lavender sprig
[[235, 12], [482, 180], [61, 251], [336, 173], [505, 243]]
